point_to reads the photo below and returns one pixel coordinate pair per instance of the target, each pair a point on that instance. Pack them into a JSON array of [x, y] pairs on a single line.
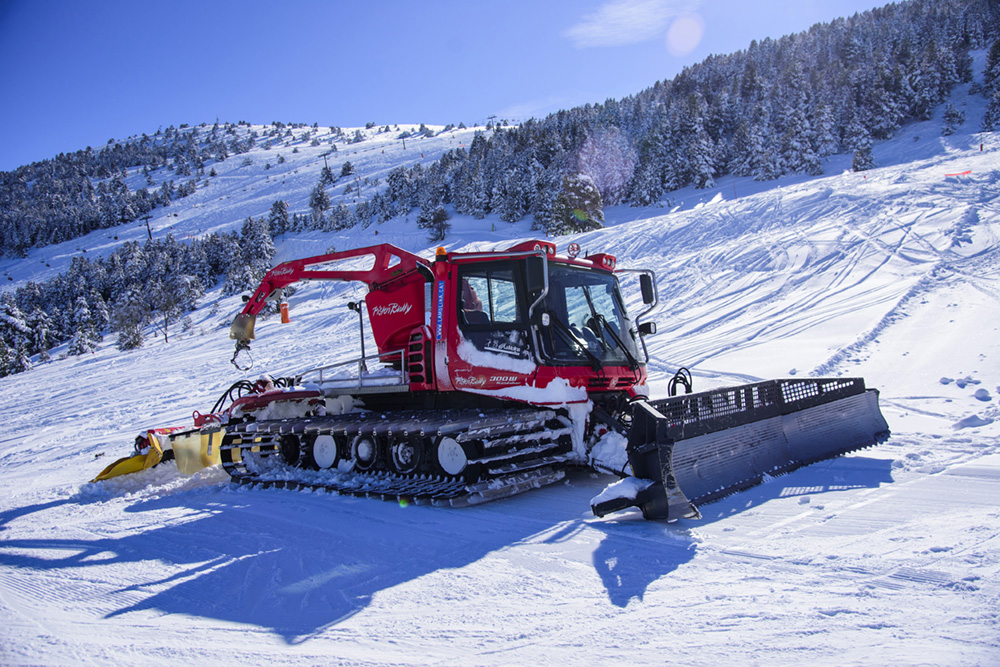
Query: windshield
[[588, 321]]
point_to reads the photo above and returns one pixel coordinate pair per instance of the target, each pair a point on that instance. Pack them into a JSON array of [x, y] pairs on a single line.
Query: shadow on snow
[[298, 563]]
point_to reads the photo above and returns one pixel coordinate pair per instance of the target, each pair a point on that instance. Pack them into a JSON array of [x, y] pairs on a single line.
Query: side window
[[489, 297], [490, 310]]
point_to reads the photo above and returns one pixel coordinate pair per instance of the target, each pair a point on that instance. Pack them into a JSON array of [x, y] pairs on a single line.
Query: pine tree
[[543, 210], [863, 159], [696, 163], [319, 203], [798, 139], [257, 245], [991, 120], [5, 358], [100, 317], [20, 361], [40, 325], [84, 337], [437, 222], [578, 207], [13, 327], [991, 74], [647, 185], [277, 220], [129, 315], [953, 118], [255, 251], [326, 176]]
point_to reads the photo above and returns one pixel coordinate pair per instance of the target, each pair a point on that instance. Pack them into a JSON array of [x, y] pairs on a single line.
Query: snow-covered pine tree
[[129, 315], [100, 317], [40, 326], [991, 88], [543, 209], [953, 119], [84, 337], [257, 248], [13, 327], [5, 358], [863, 159], [798, 138], [578, 207], [19, 360], [991, 119], [326, 176], [319, 203], [277, 219]]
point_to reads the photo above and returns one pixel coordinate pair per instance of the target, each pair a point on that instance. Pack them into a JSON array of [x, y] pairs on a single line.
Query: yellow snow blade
[[132, 464], [195, 450]]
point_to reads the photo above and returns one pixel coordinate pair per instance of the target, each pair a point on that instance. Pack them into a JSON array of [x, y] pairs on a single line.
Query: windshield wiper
[[633, 363], [574, 340]]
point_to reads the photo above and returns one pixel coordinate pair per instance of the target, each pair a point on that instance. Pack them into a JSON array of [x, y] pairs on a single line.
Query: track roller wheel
[[323, 452], [364, 451], [451, 456], [290, 449], [406, 455]]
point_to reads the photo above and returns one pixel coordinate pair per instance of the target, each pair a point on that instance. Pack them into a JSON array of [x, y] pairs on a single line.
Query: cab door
[[492, 348]]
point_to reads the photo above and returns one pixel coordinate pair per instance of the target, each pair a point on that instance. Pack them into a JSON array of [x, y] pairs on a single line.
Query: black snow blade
[[693, 449]]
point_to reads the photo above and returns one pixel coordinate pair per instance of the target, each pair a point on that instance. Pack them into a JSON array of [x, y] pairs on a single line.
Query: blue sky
[[76, 73]]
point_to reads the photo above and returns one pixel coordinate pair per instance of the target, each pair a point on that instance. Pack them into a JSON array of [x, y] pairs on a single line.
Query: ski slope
[[887, 556]]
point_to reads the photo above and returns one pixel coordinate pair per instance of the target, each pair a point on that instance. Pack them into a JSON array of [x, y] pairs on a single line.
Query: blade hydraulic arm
[[390, 264]]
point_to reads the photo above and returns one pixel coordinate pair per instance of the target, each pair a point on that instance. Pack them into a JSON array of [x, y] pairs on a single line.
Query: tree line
[[778, 107], [156, 282]]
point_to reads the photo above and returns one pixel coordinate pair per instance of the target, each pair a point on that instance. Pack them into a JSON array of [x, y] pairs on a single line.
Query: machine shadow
[[634, 553], [298, 563]]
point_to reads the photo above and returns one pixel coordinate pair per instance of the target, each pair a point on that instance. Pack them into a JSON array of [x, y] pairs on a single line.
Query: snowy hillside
[[886, 556]]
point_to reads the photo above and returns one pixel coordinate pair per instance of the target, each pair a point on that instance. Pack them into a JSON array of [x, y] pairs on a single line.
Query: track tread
[[521, 452]]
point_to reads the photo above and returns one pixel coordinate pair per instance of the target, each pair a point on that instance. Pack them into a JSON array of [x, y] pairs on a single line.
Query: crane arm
[[389, 263]]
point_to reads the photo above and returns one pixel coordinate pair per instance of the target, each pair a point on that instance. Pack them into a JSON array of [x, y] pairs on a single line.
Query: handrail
[[400, 377]]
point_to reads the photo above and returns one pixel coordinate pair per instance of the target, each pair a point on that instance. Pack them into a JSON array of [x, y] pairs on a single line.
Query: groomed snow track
[[451, 458]]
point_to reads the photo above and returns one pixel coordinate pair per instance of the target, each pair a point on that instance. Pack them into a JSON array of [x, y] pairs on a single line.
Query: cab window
[[491, 310]]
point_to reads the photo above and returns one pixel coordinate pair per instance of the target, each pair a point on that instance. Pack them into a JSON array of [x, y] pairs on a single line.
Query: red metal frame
[[402, 318], [395, 301]]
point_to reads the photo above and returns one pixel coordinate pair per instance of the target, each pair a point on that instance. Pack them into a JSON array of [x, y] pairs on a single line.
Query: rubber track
[[519, 452]]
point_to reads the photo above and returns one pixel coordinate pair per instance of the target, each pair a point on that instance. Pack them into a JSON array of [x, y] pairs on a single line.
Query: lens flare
[[685, 34]]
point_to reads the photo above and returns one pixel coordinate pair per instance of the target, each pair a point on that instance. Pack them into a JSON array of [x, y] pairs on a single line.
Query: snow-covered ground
[[887, 556]]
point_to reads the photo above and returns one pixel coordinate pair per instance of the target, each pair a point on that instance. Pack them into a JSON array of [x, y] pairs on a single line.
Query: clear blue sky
[[75, 73]]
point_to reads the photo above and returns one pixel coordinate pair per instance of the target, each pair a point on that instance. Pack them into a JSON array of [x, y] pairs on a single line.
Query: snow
[[886, 556], [470, 354], [609, 452], [629, 487]]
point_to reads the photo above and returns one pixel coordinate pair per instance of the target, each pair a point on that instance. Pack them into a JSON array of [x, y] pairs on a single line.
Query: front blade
[[701, 447], [717, 464]]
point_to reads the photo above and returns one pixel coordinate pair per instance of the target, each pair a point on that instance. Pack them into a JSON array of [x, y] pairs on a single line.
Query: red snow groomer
[[495, 373]]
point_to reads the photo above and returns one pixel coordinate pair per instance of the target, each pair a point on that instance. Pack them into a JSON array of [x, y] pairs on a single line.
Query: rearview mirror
[[647, 288], [535, 274]]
